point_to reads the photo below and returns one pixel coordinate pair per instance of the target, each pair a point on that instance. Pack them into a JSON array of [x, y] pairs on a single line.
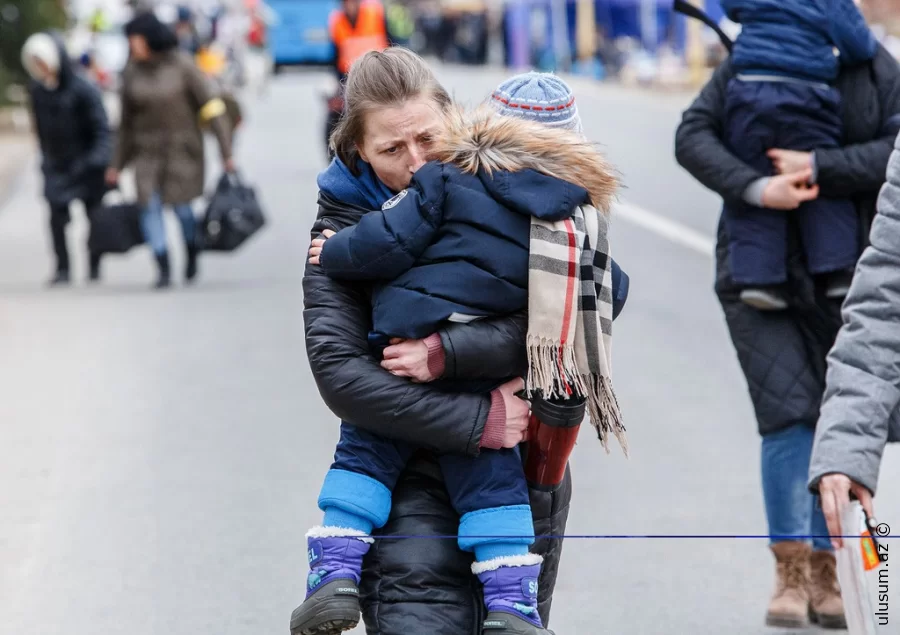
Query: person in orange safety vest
[[357, 28]]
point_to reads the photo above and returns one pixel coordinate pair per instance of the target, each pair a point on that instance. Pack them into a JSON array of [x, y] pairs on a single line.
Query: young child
[[786, 57], [455, 246]]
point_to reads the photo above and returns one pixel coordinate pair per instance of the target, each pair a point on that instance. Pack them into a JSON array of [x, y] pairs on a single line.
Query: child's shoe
[[332, 595], [838, 285], [764, 298], [510, 594]]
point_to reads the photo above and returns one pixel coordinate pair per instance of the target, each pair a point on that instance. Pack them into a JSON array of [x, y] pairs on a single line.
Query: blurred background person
[[357, 27], [166, 100], [232, 36], [401, 25], [214, 65], [186, 31], [74, 137]]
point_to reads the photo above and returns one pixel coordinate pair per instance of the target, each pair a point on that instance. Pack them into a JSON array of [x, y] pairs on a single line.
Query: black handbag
[[232, 216], [115, 228]]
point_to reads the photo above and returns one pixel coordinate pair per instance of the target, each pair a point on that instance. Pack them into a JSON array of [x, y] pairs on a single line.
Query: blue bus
[[300, 33]]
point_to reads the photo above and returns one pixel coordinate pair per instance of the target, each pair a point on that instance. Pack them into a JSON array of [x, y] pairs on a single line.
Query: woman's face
[[139, 49], [397, 139]]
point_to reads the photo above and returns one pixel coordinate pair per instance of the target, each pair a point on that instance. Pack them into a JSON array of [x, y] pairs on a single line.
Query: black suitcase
[[115, 229], [232, 216]]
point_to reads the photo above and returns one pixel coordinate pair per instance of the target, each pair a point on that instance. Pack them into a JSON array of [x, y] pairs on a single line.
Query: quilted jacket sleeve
[[699, 148], [386, 243], [337, 318], [860, 167], [863, 381]]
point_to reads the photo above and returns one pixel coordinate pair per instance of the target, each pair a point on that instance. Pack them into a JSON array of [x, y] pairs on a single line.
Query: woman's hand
[[518, 412], [230, 165], [112, 177], [788, 191], [835, 492], [408, 358], [315, 249], [790, 161]]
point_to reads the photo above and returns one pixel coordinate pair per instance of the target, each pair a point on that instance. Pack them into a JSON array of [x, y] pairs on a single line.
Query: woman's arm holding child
[[457, 351]]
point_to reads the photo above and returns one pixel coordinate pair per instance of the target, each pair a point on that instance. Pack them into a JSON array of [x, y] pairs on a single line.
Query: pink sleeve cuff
[[494, 427], [435, 355]]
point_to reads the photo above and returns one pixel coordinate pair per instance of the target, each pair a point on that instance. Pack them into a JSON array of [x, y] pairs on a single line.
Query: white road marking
[[666, 228]]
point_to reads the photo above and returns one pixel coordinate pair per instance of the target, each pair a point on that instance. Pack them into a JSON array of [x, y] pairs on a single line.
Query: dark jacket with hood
[[454, 246], [413, 582], [783, 354], [73, 131]]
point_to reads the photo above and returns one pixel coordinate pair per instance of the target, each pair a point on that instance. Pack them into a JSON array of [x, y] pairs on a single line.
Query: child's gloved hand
[[315, 248]]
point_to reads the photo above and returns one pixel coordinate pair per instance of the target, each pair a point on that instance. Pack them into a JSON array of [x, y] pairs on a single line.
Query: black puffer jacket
[[783, 354], [74, 135], [418, 585]]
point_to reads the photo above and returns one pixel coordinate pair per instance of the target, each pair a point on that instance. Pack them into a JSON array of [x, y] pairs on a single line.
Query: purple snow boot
[[332, 590], [510, 594]]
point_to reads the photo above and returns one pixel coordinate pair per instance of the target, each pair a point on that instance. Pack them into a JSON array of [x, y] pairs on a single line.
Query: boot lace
[[794, 574]]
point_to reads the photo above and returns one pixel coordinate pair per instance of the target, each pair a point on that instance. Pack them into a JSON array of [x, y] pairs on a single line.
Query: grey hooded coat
[[859, 414]]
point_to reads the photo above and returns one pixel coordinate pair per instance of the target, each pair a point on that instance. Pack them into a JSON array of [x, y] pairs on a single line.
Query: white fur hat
[[41, 46]]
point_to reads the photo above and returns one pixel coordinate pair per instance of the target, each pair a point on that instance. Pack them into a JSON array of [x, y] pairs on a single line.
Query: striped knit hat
[[541, 97]]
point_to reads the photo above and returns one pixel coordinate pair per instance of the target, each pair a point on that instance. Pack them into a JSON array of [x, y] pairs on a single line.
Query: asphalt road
[[160, 454]]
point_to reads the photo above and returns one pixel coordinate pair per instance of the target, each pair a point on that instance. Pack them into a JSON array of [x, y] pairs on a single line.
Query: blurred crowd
[[138, 91], [618, 39], [220, 35]]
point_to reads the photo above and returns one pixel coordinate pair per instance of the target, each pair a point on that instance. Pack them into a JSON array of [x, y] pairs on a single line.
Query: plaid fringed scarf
[[570, 317]]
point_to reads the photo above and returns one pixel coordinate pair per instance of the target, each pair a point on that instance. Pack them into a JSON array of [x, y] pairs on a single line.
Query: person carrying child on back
[[780, 104], [511, 213]]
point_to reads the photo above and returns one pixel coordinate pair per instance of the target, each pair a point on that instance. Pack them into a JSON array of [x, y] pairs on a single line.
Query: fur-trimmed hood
[[484, 142]]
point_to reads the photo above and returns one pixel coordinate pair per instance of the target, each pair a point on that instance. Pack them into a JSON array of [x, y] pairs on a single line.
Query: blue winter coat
[[798, 38], [453, 246]]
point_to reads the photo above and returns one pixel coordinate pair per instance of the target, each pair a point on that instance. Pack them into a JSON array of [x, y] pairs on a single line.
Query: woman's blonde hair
[[381, 79]]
